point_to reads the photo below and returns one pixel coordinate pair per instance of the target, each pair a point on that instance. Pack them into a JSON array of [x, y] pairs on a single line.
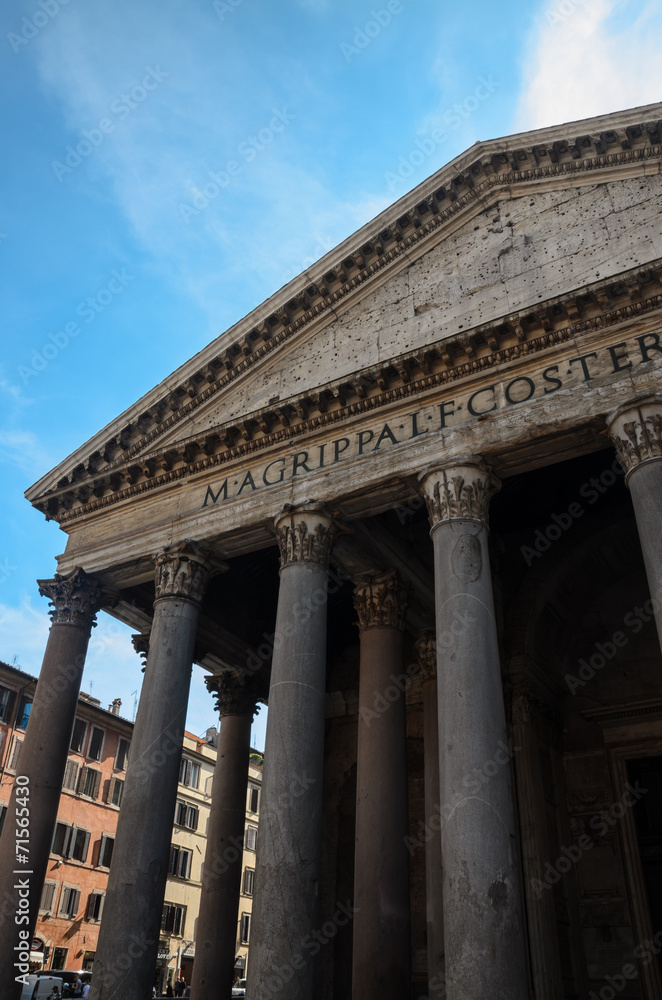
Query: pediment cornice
[[557, 321], [592, 149]]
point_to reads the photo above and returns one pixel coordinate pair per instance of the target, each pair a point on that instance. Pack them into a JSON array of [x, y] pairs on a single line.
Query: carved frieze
[[426, 654], [305, 534], [75, 599], [636, 431], [459, 490], [381, 602], [183, 570]]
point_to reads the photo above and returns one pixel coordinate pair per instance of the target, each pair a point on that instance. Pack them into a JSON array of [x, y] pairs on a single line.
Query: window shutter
[[70, 775], [81, 780], [75, 897], [97, 783], [86, 846]]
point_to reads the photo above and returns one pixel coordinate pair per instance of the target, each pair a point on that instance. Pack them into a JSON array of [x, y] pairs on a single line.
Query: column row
[[482, 949]]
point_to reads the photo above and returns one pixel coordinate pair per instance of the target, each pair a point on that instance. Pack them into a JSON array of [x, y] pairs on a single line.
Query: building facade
[[413, 501], [74, 890]]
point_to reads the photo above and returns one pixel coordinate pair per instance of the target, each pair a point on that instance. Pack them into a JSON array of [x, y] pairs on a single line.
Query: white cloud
[[25, 450], [590, 57]]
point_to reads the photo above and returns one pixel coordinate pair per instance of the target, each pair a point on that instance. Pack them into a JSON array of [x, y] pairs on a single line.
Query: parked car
[[239, 988], [40, 987]]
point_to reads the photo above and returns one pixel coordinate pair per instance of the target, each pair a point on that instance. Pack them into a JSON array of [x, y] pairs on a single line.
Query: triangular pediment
[[511, 239]]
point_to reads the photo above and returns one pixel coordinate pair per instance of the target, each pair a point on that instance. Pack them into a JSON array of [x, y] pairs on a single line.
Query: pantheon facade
[[413, 502]]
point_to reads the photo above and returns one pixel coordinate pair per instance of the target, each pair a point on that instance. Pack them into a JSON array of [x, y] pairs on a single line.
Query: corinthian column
[[483, 938], [128, 940], [636, 431], [216, 936], [381, 956], [426, 652], [287, 869], [33, 805]]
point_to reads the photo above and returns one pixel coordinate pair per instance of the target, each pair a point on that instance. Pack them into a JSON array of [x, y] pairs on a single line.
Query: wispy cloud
[[590, 57]]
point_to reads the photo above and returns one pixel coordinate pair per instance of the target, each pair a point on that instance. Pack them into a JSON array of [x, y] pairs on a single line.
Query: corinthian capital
[[184, 569], [459, 490], [75, 599], [234, 695], [305, 534], [636, 431], [426, 653], [381, 602]]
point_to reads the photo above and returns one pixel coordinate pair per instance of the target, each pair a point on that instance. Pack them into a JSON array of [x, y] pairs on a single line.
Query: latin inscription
[[469, 406]]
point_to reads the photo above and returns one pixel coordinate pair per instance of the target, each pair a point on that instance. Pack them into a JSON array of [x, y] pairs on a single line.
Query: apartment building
[[74, 890]]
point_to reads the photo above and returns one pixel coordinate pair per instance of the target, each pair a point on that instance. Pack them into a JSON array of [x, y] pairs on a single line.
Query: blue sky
[[166, 166]]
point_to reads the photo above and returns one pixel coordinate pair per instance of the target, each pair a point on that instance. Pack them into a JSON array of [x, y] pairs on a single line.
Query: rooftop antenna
[[135, 704]]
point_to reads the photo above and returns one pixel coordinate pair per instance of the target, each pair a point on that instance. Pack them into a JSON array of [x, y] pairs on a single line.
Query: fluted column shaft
[[426, 650], [216, 937], [636, 430], [128, 940], [33, 805], [483, 937], [289, 840], [381, 957], [543, 934]]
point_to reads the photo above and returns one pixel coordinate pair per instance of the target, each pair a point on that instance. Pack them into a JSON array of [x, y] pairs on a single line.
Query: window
[[253, 798], [59, 959], [106, 845], [70, 842], [88, 960], [89, 782], [122, 754], [173, 919], [115, 790], [61, 839], [180, 862], [250, 838], [96, 743], [13, 757], [78, 736], [187, 816], [47, 896], [249, 881], [189, 773], [23, 714], [70, 779], [95, 906], [3, 813], [79, 844], [7, 699], [69, 902], [245, 931]]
